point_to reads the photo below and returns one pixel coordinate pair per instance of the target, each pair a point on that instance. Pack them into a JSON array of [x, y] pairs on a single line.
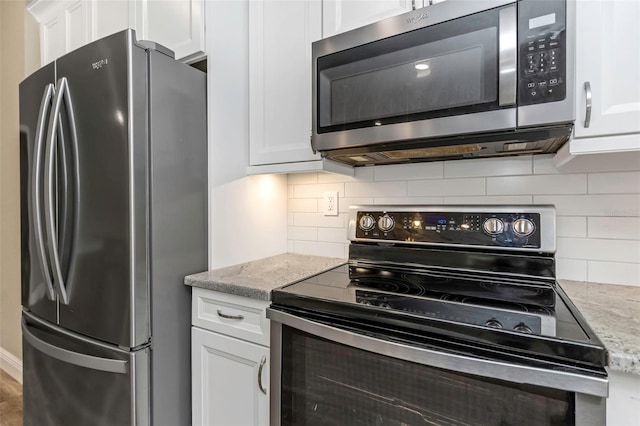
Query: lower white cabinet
[[229, 360]]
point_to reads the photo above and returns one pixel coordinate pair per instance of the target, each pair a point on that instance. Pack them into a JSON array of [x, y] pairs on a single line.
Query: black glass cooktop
[[471, 312]]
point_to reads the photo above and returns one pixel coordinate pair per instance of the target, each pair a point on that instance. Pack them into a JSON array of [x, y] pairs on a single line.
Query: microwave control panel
[[542, 51]]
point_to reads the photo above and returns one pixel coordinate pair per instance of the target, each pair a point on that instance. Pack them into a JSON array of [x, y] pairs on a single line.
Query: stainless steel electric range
[[443, 315]]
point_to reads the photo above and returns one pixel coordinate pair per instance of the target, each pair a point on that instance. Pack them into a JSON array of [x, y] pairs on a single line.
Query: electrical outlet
[[331, 203]]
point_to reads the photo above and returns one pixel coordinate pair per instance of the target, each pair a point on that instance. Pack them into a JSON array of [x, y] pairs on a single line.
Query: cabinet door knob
[[587, 115], [262, 362], [233, 317]]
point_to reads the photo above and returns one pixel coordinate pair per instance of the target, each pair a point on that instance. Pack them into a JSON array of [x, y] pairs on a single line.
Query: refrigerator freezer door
[[72, 381], [106, 284], [36, 93]]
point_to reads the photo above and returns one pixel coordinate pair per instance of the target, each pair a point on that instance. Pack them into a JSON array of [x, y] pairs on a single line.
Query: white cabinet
[[66, 25], [229, 359], [623, 408], [339, 16], [608, 59], [280, 37], [176, 24]]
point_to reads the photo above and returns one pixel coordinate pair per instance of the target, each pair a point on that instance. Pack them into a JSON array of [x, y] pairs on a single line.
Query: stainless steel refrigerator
[[113, 175]]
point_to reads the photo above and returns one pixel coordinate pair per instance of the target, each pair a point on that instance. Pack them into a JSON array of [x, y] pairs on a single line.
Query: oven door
[[413, 76], [325, 375]]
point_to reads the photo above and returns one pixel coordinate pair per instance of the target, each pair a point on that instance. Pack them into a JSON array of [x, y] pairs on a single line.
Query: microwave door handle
[[508, 56], [49, 200], [36, 189]]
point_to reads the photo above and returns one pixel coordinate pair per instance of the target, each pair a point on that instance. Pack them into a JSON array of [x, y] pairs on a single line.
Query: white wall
[[597, 201]]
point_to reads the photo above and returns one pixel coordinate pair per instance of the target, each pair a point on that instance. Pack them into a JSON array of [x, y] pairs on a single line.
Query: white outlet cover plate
[[331, 203]]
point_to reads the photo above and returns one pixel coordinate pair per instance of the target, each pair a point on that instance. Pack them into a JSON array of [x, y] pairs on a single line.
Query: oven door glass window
[[325, 383], [440, 70]]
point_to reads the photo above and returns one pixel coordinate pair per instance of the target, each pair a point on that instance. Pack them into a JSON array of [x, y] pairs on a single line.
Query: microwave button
[[542, 84], [553, 53], [553, 82], [531, 85]]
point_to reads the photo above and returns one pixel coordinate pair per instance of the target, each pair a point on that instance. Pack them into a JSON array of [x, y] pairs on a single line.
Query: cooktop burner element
[[475, 278]]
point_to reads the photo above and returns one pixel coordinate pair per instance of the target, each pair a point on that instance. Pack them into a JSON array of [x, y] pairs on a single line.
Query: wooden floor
[[10, 401]]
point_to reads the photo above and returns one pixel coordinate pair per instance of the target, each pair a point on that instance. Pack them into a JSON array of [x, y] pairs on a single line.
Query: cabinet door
[[64, 26], [176, 24], [608, 58], [227, 376], [280, 37], [339, 16], [110, 16]]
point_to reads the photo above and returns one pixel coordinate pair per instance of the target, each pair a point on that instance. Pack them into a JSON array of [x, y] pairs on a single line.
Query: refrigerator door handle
[[36, 189], [49, 170], [82, 360]]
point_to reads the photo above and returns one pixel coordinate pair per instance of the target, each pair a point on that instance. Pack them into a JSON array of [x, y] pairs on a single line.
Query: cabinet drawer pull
[[262, 362], [232, 317], [587, 115]]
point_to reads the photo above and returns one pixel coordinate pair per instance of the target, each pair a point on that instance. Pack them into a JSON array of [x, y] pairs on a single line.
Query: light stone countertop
[[256, 279], [613, 312]]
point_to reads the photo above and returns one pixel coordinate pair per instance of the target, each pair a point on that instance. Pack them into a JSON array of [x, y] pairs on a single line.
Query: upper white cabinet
[[68, 24], [280, 37], [339, 16], [607, 66], [176, 24]]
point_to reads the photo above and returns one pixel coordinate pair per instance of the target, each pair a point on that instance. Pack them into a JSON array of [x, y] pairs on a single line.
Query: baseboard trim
[[11, 364]]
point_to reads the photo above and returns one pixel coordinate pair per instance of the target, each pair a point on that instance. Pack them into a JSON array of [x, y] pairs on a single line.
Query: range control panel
[[512, 230], [542, 51]]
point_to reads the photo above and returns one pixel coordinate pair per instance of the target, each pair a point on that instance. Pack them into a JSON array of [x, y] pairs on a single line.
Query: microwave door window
[[387, 83]]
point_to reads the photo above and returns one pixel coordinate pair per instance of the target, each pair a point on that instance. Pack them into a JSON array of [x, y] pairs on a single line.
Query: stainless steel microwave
[[458, 79]]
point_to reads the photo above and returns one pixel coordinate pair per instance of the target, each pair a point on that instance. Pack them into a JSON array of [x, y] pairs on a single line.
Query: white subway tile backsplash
[[408, 200], [308, 205], [302, 178], [571, 269], [375, 189], [318, 190], [333, 235], [542, 184], [597, 205], [320, 249], [619, 228], [593, 205], [614, 183], [571, 226], [614, 273], [307, 233], [599, 249], [491, 199], [431, 170], [318, 219], [361, 174], [345, 203], [521, 165], [447, 187]]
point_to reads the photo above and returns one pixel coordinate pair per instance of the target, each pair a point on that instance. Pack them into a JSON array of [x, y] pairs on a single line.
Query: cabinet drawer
[[236, 316]]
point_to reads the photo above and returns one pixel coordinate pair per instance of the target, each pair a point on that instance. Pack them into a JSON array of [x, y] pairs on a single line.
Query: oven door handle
[[508, 56], [509, 372]]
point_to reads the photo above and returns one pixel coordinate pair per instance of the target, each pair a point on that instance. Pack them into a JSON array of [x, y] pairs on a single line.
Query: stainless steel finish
[[49, 183], [386, 223], [231, 317], [587, 111], [547, 220], [275, 355], [262, 363], [523, 227], [463, 364], [493, 226], [36, 190], [590, 410], [562, 111], [87, 361], [508, 56], [367, 222]]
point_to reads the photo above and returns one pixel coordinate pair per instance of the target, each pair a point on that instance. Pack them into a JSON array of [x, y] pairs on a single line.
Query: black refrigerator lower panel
[[70, 380]]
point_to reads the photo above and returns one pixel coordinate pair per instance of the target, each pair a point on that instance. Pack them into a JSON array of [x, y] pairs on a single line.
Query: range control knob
[[493, 323], [493, 226], [523, 328], [386, 223], [367, 222], [523, 227]]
